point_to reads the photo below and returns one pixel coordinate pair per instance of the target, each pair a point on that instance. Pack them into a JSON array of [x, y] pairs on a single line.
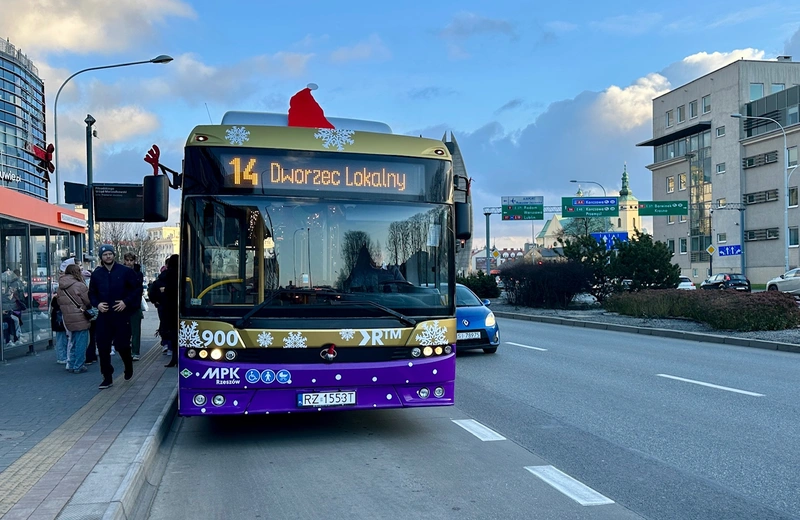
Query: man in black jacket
[[117, 293]]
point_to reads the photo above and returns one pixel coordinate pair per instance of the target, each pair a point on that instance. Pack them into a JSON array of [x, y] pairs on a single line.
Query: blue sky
[[536, 93]]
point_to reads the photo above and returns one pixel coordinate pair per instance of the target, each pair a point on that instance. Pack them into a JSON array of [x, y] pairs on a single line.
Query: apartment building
[[729, 169]]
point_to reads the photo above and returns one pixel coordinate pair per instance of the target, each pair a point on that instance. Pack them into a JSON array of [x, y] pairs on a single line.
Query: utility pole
[[89, 180]]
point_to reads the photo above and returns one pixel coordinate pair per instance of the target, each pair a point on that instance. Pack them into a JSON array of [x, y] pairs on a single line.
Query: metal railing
[[8, 48]]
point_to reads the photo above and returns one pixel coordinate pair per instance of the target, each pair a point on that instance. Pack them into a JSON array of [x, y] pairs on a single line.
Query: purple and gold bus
[[317, 268]]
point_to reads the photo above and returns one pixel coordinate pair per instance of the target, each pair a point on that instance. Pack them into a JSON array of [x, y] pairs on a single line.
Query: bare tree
[[115, 233], [126, 237], [143, 246]]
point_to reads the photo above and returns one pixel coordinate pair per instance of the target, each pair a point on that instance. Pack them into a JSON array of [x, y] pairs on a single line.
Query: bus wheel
[[490, 350]]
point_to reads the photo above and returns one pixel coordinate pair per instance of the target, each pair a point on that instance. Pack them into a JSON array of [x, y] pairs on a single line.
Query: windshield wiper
[[245, 320], [402, 317]]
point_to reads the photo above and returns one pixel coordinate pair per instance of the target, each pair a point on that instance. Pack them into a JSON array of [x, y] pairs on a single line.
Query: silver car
[[788, 282]]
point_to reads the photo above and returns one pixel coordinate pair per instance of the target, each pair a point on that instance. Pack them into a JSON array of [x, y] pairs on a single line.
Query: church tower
[[628, 220]]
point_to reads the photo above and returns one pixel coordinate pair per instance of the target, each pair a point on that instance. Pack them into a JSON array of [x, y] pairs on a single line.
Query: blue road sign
[[608, 238], [733, 250]]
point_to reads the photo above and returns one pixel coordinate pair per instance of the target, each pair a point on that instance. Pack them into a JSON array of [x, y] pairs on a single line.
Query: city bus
[[317, 268]]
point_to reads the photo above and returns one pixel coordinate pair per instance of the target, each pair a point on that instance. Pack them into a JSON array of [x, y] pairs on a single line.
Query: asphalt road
[[628, 424]]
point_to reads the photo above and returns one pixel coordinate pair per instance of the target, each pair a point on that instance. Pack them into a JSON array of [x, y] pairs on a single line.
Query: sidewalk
[[56, 429]]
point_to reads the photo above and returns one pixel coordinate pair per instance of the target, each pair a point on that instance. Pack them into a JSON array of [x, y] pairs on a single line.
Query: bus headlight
[[427, 351], [230, 355], [216, 354], [199, 400], [416, 352], [423, 393], [438, 391], [191, 353], [218, 400], [448, 349], [438, 351], [203, 354], [490, 320]]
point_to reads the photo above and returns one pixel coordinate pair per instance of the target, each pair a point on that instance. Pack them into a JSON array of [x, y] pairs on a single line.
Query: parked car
[[686, 283], [476, 325], [788, 282], [736, 281]]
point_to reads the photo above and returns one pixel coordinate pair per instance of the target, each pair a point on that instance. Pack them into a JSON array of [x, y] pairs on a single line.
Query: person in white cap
[[62, 335]]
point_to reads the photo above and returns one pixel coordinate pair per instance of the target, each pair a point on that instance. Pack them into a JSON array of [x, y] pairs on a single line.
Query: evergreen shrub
[[721, 310]]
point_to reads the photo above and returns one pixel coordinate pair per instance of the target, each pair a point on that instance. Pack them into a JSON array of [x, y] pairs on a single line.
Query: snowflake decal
[[334, 138], [432, 335], [265, 339], [189, 336], [294, 340], [347, 334], [237, 135]]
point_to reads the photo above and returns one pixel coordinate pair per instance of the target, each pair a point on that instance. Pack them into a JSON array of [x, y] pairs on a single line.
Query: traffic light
[[45, 157]]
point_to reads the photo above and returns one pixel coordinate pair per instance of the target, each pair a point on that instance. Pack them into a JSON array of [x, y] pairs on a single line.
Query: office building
[[35, 236], [730, 170]]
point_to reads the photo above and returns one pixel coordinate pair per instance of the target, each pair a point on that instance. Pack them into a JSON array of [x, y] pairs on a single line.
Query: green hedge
[[483, 285], [549, 285], [721, 310]]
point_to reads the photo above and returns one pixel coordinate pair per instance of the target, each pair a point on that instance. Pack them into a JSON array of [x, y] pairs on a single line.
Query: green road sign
[[651, 208], [527, 212], [529, 207], [589, 207]]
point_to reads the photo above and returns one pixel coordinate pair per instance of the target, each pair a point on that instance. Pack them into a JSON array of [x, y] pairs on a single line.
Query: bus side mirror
[[155, 195], [463, 211]]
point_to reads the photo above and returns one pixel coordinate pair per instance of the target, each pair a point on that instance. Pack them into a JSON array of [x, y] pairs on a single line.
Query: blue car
[[477, 326]]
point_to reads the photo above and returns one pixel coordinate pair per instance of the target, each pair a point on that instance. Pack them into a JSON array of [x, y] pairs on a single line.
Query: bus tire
[[490, 350]]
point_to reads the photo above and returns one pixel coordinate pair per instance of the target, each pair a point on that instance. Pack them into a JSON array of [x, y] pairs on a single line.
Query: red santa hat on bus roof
[[304, 111]]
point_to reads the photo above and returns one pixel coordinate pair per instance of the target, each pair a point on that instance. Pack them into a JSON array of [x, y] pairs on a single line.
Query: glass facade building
[[22, 123], [35, 236]]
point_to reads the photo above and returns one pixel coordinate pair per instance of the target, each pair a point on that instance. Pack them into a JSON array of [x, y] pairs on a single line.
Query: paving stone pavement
[[55, 426]]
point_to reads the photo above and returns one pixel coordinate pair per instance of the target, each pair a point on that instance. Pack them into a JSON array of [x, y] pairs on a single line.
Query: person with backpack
[[59, 331]]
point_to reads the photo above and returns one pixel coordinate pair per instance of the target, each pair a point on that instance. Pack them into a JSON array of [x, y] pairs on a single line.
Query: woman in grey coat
[[73, 298]]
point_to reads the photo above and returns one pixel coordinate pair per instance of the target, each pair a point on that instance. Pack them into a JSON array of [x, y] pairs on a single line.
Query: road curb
[[126, 499], [666, 333]]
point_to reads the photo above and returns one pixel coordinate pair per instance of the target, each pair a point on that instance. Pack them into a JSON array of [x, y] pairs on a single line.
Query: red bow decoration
[[45, 157], [152, 158]]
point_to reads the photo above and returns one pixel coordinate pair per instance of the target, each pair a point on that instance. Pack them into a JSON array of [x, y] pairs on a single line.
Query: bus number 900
[[220, 338]]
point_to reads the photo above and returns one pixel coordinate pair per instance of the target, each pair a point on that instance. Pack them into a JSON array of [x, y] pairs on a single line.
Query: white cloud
[[370, 49], [705, 62], [122, 123], [632, 106], [701, 63], [85, 26], [114, 126]]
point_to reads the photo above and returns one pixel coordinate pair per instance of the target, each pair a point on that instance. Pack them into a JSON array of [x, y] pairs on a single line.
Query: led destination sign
[[310, 173]]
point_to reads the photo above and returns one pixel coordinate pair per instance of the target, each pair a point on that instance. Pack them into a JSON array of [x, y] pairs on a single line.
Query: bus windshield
[[308, 257]]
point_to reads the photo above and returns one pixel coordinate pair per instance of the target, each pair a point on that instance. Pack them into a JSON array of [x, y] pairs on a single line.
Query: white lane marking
[[710, 385], [525, 346], [576, 490], [478, 430]]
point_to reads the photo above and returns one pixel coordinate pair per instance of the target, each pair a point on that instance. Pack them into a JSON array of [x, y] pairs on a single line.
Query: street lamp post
[[605, 223], [161, 58], [89, 181], [787, 175]]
